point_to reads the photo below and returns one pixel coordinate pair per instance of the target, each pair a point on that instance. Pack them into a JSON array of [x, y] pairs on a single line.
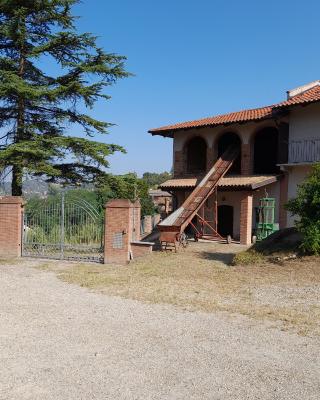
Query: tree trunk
[[17, 169], [16, 182]]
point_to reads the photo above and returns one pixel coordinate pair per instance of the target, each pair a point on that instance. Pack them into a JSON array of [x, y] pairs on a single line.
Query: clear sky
[[197, 58]]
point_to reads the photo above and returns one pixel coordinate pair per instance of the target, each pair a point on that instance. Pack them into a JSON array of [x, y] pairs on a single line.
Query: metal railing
[[63, 227], [304, 151]]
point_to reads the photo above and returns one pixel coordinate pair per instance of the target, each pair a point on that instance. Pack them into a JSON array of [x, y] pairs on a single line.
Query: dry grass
[[201, 278]]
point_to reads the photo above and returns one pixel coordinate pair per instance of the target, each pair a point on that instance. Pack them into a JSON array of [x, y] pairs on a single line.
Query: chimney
[[294, 92]]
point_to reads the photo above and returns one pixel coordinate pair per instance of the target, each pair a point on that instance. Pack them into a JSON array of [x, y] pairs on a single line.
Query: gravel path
[[60, 341]]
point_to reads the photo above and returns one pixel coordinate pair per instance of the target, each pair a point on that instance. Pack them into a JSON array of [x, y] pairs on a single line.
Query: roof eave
[[291, 106], [252, 186], [170, 132]]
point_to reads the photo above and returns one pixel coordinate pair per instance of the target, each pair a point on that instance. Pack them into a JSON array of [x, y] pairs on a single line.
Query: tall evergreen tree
[[38, 108]]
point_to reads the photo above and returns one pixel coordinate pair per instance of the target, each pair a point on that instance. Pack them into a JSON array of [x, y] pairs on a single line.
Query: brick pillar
[[210, 158], [178, 164], [246, 219], [136, 236], [246, 159], [11, 208], [118, 231], [283, 200]]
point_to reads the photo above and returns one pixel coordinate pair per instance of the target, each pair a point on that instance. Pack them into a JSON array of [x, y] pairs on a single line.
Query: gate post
[[136, 217], [11, 224], [118, 231]]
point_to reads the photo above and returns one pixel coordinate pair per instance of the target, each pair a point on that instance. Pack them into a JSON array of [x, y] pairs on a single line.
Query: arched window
[[226, 140], [266, 151], [196, 155]]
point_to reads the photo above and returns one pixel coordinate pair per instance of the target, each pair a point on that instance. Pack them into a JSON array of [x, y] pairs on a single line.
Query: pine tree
[[38, 108]]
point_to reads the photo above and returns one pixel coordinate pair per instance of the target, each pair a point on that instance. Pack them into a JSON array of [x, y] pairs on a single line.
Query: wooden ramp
[[175, 223]]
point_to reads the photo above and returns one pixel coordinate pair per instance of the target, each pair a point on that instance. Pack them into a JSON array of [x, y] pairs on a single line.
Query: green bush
[[36, 235], [306, 206], [127, 186]]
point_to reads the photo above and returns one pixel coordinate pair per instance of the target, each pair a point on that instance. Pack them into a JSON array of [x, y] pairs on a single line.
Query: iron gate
[[65, 228]]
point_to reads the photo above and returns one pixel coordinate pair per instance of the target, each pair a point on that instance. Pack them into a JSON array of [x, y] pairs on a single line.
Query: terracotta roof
[[231, 118], [308, 96], [251, 182], [180, 183]]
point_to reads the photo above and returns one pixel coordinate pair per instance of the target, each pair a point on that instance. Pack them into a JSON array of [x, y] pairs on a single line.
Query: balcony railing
[[304, 151]]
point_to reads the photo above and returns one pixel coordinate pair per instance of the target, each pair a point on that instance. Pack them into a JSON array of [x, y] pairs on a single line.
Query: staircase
[[175, 223]]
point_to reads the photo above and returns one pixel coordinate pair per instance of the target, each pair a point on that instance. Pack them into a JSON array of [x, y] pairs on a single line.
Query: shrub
[[306, 206]]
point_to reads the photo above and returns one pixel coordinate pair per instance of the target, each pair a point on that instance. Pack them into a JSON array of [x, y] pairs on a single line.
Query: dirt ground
[[201, 278], [62, 341]]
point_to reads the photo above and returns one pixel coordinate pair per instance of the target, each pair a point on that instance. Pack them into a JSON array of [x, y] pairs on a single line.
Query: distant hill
[[40, 188], [31, 187]]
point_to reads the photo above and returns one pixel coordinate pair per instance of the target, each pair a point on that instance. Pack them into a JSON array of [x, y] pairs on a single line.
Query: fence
[[62, 231], [61, 227], [304, 151]]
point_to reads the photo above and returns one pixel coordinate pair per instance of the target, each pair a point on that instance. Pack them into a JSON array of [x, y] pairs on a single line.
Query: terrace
[[303, 151]]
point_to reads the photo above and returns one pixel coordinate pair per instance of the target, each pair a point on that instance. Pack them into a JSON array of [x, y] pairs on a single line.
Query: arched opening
[[196, 152], [226, 140], [266, 151], [225, 220]]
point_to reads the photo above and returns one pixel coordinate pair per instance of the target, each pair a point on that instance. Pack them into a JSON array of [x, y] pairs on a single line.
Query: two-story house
[[277, 146]]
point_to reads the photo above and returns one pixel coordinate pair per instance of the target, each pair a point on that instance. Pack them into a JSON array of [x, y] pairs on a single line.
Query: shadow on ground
[[225, 258]]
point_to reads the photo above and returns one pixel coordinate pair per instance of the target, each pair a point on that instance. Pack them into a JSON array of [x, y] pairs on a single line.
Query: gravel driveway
[[60, 341]]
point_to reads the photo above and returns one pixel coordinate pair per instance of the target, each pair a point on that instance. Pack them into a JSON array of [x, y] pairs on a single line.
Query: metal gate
[[63, 227]]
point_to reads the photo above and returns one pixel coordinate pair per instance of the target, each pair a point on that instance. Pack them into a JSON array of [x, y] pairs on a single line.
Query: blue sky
[[193, 59]]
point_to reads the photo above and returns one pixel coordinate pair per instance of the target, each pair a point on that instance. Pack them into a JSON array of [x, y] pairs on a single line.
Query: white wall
[[304, 122]]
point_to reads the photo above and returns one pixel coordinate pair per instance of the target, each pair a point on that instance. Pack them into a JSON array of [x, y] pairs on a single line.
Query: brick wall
[[246, 159], [210, 158], [118, 231], [246, 219], [141, 249], [122, 232], [11, 209], [178, 164]]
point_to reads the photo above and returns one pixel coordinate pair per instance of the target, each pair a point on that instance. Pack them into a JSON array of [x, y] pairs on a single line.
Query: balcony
[[304, 151]]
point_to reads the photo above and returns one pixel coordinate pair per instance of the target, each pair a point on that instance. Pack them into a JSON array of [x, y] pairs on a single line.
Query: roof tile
[[252, 182], [309, 96], [239, 116]]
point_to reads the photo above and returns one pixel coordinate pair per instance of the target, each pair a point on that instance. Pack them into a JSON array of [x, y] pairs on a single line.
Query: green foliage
[[307, 207], [127, 186], [36, 107], [37, 235], [107, 187], [153, 180]]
